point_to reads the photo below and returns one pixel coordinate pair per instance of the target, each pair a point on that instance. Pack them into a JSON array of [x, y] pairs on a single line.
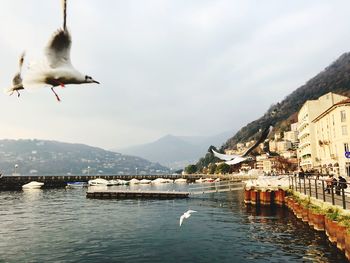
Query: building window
[[346, 147], [342, 116], [344, 130]]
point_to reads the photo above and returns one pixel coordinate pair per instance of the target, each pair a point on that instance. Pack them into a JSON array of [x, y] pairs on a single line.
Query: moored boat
[[99, 182], [134, 181], [145, 181], [180, 181], [33, 185], [200, 180]]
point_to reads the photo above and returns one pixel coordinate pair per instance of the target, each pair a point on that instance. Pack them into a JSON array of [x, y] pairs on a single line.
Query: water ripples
[[65, 226]]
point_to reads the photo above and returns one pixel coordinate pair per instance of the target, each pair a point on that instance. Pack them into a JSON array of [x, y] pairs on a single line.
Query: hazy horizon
[[189, 68]]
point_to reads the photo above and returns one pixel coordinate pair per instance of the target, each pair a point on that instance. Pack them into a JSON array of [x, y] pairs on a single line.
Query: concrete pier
[[128, 194]]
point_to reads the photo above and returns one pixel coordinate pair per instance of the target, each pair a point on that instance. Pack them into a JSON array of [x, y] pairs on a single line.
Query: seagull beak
[[95, 81]]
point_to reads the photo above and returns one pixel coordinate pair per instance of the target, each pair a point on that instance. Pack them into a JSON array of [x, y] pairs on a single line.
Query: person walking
[[341, 185], [329, 183]]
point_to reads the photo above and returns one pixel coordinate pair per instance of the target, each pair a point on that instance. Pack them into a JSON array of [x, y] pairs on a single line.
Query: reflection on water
[[274, 225], [64, 226]]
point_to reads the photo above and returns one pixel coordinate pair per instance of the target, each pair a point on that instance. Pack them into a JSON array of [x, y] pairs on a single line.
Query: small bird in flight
[[56, 68], [186, 215], [17, 84]]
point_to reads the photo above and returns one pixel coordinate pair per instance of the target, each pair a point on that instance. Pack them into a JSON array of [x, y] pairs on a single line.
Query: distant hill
[[176, 151], [335, 78], [40, 157]]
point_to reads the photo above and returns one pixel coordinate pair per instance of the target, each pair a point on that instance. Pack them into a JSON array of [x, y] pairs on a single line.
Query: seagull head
[[89, 79]]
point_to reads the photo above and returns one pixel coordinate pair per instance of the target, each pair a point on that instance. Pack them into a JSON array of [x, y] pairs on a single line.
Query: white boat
[[159, 181], [114, 182], [99, 182], [33, 185], [208, 180], [200, 180], [134, 181], [123, 182], [145, 181], [77, 184], [181, 181]]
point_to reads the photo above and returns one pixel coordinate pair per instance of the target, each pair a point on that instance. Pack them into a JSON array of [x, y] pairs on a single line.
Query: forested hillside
[[335, 78]]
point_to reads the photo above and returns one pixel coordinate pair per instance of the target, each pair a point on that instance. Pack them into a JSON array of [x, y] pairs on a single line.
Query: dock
[[132, 194], [11, 182]]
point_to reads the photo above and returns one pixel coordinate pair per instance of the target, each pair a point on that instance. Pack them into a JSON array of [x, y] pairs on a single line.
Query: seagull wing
[[226, 157], [57, 51], [236, 160], [191, 211], [182, 219], [262, 138], [17, 80]]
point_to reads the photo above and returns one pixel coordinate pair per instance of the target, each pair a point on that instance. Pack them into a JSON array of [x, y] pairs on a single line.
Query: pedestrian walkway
[[317, 188]]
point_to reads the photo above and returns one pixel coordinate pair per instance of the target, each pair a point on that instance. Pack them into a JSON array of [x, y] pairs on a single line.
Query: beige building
[[291, 136], [294, 127], [273, 146], [283, 146], [306, 128], [333, 138]]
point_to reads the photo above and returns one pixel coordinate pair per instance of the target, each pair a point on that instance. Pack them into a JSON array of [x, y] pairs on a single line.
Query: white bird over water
[[56, 68], [186, 215]]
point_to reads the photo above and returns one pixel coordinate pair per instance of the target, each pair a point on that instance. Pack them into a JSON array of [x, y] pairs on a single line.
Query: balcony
[[302, 125], [303, 145]]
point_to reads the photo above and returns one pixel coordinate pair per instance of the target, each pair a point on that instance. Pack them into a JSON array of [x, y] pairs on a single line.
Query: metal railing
[[222, 186], [336, 193]]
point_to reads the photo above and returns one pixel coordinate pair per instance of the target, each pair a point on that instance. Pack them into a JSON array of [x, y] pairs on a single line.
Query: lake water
[[64, 226]]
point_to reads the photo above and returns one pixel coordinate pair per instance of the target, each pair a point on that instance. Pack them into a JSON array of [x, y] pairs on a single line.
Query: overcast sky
[[179, 67]]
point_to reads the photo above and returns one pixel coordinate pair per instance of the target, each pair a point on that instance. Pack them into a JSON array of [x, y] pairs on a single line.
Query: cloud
[[180, 67]]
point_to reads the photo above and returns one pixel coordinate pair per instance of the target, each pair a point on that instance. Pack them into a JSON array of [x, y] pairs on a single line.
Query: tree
[[191, 169], [222, 168], [211, 168]]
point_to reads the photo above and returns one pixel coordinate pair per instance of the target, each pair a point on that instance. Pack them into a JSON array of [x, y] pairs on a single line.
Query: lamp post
[[136, 170], [88, 168], [16, 166]]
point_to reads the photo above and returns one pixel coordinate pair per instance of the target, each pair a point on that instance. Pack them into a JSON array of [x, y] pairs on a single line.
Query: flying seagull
[[232, 159], [17, 84], [186, 215], [56, 68]]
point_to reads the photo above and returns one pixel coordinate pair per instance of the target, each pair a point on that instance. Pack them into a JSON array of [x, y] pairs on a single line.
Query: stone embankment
[[321, 216]]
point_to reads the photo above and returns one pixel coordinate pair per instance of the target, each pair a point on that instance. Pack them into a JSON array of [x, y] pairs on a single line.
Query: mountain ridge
[[48, 157], [176, 151], [334, 78]]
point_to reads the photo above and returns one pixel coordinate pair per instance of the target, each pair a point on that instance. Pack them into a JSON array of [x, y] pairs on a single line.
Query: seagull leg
[[18, 94], [59, 83], [58, 98]]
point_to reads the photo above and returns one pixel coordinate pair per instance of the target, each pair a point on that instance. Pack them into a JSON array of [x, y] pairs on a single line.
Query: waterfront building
[[273, 146], [333, 138], [260, 161], [240, 146], [306, 128], [289, 154], [294, 127], [283, 146], [291, 136]]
